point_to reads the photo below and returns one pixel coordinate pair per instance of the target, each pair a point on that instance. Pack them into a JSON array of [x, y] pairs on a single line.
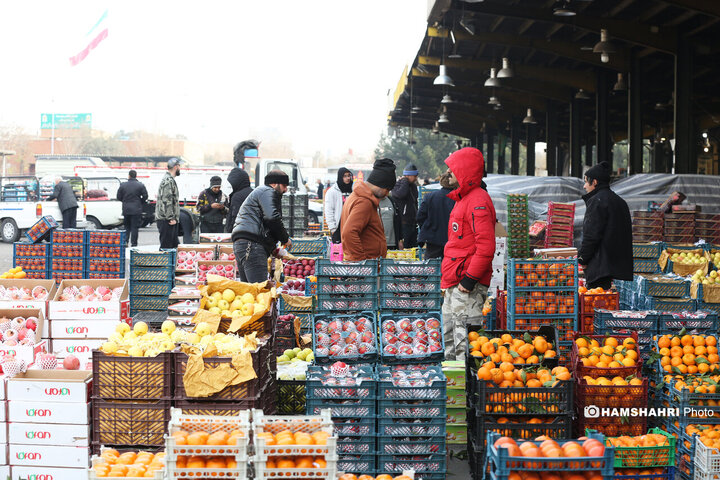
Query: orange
[[233, 439], [218, 438], [320, 463], [197, 438], [302, 438], [304, 462], [196, 462], [285, 463]]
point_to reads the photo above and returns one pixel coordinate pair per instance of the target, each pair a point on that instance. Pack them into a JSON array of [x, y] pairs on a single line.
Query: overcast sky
[[316, 70]]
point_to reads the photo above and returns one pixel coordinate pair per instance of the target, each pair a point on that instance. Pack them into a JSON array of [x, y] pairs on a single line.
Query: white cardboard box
[[116, 309], [50, 386], [49, 434], [49, 285], [81, 348], [4, 471], [3, 434], [25, 352], [48, 473], [46, 412], [81, 329], [49, 456], [3, 412]]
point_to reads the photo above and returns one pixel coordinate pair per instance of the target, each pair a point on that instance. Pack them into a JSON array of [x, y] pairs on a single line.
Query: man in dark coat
[[67, 202], [433, 219], [133, 196], [606, 250], [239, 180], [405, 195], [212, 207]]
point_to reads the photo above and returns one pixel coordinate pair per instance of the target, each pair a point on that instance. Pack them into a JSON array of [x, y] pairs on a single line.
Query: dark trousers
[[433, 250], [168, 234], [211, 227], [70, 217], [132, 226], [252, 261], [604, 282], [409, 231]]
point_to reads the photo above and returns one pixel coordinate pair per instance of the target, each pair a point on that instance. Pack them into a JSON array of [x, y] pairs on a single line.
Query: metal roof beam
[[706, 7], [659, 38]]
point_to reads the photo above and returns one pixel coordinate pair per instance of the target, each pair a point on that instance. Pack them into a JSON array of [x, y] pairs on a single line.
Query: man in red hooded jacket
[[467, 265]]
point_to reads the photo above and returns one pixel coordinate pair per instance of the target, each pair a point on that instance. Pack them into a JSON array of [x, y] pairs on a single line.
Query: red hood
[[468, 166]]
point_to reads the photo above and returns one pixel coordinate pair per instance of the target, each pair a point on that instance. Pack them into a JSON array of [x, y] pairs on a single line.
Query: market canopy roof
[[650, 42]]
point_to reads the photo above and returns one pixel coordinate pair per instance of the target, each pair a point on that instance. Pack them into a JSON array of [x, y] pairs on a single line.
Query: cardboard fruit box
[[115, 309], [49, 285], [26, 352], [50, 386]]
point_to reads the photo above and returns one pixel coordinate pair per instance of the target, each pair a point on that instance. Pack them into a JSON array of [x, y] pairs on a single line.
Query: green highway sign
[[65, 120]]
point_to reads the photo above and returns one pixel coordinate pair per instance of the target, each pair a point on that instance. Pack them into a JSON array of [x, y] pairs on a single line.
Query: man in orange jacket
[[467, 264], [361, 228]]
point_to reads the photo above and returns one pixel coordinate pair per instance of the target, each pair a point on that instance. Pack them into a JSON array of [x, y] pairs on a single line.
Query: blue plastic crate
[[345, 303], [489, 398], [648, 250], [365, 268], [421, 464], [358, 464], [698, 321], [410, 302], [103, 275], [709, 307], [152, 274], [411, 268], [360, 445], [284, 307], [413, 446], [57, 236], [626, 319], [559, 426], [668, 474], [398, 358], [411, 427], [346, 286], [355, 426], [563, 272], [309, 247], [34, 233], [408, 286], [365, 387], [144, 302], [369, 357], [342, 408], [662, 286], [105, 265], [151, 288], [671, 304], [502, 463], [37, 263], [412, 408], [148, 258], [434, 387], [33, 250], [646, 265]]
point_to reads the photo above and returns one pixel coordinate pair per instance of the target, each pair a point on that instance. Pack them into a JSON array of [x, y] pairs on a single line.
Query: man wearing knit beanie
[[361, 229], [259, 228], [212, 207], [405, 195], [606, 250]]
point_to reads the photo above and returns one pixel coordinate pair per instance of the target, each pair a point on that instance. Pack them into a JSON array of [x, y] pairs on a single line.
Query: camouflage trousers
[[460, 309]]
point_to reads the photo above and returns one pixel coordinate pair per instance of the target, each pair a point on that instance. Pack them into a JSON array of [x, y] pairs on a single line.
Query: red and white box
[[115, 309], [45, 413], [82, 329], [48, 473], [25, 352], [50, 386], [49, 285], [49, 456], [48, 434], [81, 348]]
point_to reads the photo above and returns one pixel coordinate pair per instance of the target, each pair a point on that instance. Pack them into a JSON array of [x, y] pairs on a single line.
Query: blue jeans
[[251, 261]]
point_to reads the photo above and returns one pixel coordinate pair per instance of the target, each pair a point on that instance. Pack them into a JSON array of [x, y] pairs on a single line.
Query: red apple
[[71, 362]]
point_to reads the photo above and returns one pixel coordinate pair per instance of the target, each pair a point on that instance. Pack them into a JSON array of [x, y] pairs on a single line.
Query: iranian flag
[[97, 34]]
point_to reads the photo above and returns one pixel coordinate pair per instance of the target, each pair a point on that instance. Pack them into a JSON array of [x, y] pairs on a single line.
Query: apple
[[212, 302], [223, 304], [247, 298], [140, 328], [168, 327], [228, 295], [248, 309], [71, 362], [31, 323], [203, 329]]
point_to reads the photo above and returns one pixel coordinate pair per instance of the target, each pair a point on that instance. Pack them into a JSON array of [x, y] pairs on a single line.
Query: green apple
[[216, 295], [211, 302], [140, 328], [223, 304], [297, 349], [216, 310], [302, 355], [203, 329], [310, 357], [236, 304], [248, 298], [248, 309], [228, 295], [283, 358], [290, 353], [168, 327]]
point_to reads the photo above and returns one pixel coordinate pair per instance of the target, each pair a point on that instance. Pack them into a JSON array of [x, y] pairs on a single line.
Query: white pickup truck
[[22, 204]]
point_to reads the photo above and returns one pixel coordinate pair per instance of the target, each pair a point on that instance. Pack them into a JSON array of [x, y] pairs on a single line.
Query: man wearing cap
[[405, 195], [259, 227], [133, 196], [361, 228], [212, 207], [606, 250], [167, 208]]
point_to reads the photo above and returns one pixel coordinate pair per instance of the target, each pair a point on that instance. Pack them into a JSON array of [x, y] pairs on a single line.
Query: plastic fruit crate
[[611, 426], [143, 302], [407, 254], [706, 458], [590, 301], [363, 386], [671, 304], [411, 427], [208, 424], [151, 274], [401, 351], [555, 427], [662, 286], [699, 321], [430, 383], [403, 268], [70, 236], [23, 249], [626, 319], [489, 398], [646, 265], [132, 422], [647, 457], [354, 426], [412, 302], [408, 285], [421, 464], [307, 424], [549, 333], [147, 258], [357, 464], [356, 445], [346, 286], [612, 396], [366, 268], [132, 378], [306, 246], [595, 372], [347, 351], [412, 446], [95, 460], [151, 288], [412, 408], [264, 473], [42, 229], [345, 303]]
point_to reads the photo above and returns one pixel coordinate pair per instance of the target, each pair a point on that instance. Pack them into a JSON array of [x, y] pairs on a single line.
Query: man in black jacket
[[606, 250], [67, 202], [133, 196], [259, 227], [434, 218], [212, 207], [405, 195], [239, 181]]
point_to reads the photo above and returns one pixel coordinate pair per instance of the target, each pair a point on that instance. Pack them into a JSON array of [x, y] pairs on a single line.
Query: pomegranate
[[71, 362]]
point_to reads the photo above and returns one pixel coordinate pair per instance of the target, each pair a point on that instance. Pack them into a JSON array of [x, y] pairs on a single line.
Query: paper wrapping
[[711, 293], [684, 270], [264, 294], [202, 381], [297, 301]]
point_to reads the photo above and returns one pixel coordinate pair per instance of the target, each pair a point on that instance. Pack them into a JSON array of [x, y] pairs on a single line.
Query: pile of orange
[[639, 457], [384, 476], [519, 351], [508, 375], [592, 291], [613, 353], [202, 461], [287, 437], [696, 384], [295, 462], [544, 275], [709, 435], [616, 381], [113, 464], [203, 438], [634, 471], [688, 354], [549, 448], [531, 303]]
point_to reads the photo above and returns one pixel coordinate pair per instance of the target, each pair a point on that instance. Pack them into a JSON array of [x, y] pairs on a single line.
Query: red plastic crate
[[613, 396], [581, 370], [590, 301], [501, 310], [611, 426]]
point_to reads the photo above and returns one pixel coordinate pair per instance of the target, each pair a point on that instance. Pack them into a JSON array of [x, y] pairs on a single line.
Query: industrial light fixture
[[492, 81], [620, 85], [494, 101], [436, 129], [505, 71], [704, 134], [443, 78], [467, 24], [443, 118], [529, 119], [604, 47], [497, 107], [581, 95], [446, 99], [563, 9]]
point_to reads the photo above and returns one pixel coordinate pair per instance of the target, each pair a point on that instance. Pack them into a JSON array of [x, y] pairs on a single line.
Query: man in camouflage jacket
[[167, 210]]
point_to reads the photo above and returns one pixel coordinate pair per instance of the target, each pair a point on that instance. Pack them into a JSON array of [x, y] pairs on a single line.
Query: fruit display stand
[[151, 279], [48, 430], [34, 259]]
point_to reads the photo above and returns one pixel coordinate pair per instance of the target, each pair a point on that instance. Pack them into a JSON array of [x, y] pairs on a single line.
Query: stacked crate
[[679, 228], [663, 293], [637, 461], [456, 405], [707, 227], [151, 279], [608, 300], [289, 311], [410, 287], [33, 258], [645, 257], [310, 247], [351, 398], [517, 214], [560, 228], [69, 254], [647, 226], [42, 229], [295, 213], [131, 400], [411, 421], [544, 292], [105, 254]]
